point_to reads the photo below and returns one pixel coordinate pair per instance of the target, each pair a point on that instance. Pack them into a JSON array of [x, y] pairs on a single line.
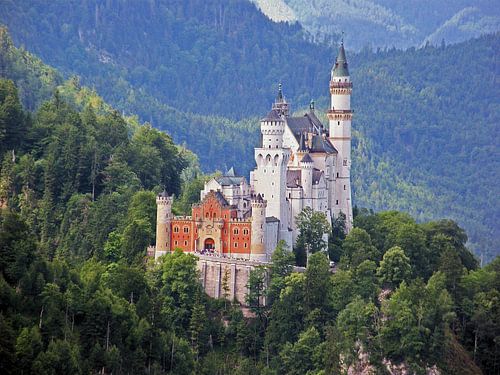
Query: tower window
[[337, 202], [338, 122], [245, 231], [186, 229], [245, 245], [337, 174], [236, 244], [176, 229], [344, 187], [185, 243], [235, 231]]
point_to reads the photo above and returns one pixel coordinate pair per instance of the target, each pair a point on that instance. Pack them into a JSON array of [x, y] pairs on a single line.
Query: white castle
[[300, 163]]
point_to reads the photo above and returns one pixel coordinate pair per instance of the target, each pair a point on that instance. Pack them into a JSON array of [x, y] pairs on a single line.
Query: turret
[[340, 116], [163, 220], [306, 166], [272, 128], [258, 239]]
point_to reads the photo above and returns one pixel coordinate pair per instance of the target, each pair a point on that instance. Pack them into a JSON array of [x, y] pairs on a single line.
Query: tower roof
[[163, 194], [273, 115], [302, 143], [306, 159], [340, 68]]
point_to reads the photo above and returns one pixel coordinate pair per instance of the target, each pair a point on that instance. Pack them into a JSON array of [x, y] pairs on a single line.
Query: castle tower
[[163, 219], [340, 116], [306, 177], [258, 239], [269, 178]]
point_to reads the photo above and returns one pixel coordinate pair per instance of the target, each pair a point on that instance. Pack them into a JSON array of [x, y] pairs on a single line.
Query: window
[[236, 244], [176, 229], [344, 187], [236, 231], [207, 215], [344, 163], [176, 243], [186, 229], [185, 243], [337, 202], [245, 245], [213, 214], [338, 122], [245, 231], [337, 174]]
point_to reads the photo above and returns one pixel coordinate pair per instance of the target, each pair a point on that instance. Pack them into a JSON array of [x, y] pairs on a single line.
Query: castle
[[300, 163]]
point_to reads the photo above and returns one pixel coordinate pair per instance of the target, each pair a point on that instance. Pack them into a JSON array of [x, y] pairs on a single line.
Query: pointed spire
[[281, 104], [340, 68], [279, 98]]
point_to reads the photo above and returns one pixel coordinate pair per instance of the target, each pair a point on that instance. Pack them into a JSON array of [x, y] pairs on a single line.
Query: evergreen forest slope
[[425, 136]]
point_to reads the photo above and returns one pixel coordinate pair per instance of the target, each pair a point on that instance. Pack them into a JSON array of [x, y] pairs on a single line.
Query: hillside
[[404, 102], [388, 23]]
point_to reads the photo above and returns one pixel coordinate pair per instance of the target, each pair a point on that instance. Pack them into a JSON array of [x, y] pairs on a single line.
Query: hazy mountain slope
[[409, 105], [389, 23]]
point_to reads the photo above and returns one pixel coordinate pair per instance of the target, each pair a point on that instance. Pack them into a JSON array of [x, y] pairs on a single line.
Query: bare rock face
[[362, 366], [402, 369]]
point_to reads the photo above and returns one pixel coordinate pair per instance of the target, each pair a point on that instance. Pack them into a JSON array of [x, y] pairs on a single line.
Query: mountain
[[205, 72], [387, 23]]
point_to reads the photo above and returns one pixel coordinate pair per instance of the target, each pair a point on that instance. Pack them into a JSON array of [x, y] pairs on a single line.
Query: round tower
[[258, 239], [306, 178], [340, 116], [163, 220]]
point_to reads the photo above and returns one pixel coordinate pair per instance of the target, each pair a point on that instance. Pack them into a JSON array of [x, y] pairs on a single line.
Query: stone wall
[[212, 270]]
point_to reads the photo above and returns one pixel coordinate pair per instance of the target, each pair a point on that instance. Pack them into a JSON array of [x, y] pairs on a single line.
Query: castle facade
[[299, 163]]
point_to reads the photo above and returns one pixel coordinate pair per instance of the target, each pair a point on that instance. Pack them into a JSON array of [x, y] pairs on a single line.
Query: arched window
[[176, 229], [245, 231], [236, 231], [207, 215], [186, 229]]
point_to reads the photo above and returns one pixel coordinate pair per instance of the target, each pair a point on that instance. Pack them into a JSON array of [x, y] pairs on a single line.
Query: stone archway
[[209, 244]]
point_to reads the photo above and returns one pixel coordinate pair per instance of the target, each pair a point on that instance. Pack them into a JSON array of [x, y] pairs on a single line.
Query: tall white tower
[[340, 116], [269, 178]]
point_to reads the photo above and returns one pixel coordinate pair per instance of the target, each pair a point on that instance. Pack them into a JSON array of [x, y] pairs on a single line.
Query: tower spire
[[340, 69], [280, 104]]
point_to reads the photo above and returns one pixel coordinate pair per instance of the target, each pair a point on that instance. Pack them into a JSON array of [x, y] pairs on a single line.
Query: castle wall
[[213, 269]]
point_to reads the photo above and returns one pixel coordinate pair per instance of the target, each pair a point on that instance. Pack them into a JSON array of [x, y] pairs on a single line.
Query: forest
[[423, 133], [77, 295]]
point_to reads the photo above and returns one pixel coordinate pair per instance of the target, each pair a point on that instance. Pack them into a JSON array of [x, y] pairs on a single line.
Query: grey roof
[[299, 125], [302, 143], [273, 115], [229, 180], [340, 68], [306, 159], [308, 123], [221, 199], [272, 219], [317, 175], [293, 178], [320, 144], [163, 194]]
